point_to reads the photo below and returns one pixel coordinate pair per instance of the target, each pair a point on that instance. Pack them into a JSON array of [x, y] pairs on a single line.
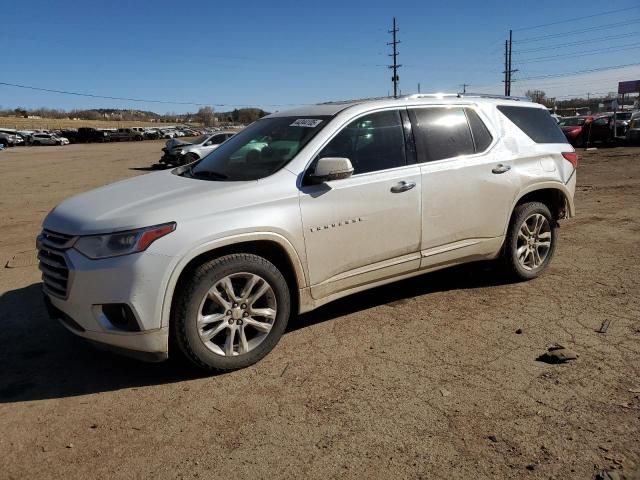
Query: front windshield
[[572, 122], [260, 150]]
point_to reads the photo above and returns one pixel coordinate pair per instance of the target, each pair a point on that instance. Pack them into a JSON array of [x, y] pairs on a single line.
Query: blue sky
[[276, 53]]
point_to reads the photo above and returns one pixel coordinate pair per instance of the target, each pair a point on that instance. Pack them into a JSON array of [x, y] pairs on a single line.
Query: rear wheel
[[231, 312], [531, 241]]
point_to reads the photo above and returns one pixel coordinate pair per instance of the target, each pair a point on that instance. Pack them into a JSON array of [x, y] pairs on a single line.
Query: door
[[366, 227], [600, 129], [467, 190]]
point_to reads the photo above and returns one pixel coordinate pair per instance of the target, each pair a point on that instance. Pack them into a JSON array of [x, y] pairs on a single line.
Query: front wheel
[[231, 312], [530, 242]]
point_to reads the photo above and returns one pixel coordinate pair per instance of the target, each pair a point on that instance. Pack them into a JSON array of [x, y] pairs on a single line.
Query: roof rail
[[354, 100], [431, 95], [493, 95]]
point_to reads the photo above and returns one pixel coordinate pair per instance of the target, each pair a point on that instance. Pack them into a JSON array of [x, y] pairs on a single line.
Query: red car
[[587, 129]]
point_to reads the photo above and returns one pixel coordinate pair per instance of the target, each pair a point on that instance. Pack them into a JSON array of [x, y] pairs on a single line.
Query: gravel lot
[[426, 378]]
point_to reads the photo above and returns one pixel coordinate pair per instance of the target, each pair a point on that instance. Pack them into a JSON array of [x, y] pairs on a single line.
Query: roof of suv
[[333, 108]]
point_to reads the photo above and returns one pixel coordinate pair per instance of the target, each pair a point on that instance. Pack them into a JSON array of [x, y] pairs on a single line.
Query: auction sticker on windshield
[[306, 122]]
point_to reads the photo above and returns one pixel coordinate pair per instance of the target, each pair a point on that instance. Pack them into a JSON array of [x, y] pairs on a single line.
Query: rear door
[[467, 193]]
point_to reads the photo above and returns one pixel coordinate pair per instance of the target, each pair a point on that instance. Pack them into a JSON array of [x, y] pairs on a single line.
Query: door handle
[[500, 168], [402, 187]]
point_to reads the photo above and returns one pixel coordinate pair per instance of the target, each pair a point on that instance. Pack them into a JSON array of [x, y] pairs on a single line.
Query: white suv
[[212, 259]]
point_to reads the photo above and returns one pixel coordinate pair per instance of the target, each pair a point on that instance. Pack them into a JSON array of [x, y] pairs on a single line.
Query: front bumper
[[137, 281]]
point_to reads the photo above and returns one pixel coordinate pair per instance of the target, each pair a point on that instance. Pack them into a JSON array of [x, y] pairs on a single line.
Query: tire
[[580, 142], [536, 256], [199, 313], [36, 144], [189, 158]]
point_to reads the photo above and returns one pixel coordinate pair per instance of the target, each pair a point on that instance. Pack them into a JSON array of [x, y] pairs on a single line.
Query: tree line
[[206, 116]]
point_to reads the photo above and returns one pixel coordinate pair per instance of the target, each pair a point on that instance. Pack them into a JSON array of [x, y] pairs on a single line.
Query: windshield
[[572, 121], [260, 150], [623, 116]]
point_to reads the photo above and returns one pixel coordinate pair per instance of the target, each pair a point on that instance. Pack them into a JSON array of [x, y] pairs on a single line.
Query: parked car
[[13, 136], [48, 139], [126, 134], [91, 135], [9, 139], [178, 152], [217, 256], [152, 133], [633, 131], [586, 130]]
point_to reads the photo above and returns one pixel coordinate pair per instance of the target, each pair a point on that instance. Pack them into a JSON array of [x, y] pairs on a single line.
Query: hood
[[175, 142], [142, 201]]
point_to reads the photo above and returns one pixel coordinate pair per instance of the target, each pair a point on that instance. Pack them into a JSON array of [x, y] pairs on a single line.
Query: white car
[[48, 139], [299, 209]]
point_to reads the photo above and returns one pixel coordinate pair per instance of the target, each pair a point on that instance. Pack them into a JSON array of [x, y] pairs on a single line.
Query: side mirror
[[331, 168]]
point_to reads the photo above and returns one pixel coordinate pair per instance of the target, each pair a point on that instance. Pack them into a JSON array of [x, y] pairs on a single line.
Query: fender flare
[[169, 291], [549, 185]]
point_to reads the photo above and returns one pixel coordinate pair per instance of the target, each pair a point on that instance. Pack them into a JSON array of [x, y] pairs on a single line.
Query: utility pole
[[508, 71], [464, 87], [506, 68], [395, 79], [418, 87]]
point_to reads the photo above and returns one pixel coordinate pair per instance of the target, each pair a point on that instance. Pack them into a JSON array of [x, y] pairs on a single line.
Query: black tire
[[184, 328], [510, 260], [35, 144], [189, 158], [580, 142]]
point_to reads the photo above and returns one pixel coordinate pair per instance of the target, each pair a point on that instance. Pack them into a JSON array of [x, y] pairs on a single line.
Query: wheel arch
[[556, 196], [275, 248]]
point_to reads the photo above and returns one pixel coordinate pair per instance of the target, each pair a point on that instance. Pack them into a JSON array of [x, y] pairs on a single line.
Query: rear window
[[535, 122], [572, 121], [481, 136], [442, 132]]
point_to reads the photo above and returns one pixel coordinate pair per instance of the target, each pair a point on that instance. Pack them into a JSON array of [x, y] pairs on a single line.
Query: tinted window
[[373, 142], [441, 132], [601, 121], [535, 122], [481, 136]]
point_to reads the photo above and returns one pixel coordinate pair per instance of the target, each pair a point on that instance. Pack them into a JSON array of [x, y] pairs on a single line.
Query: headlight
[[122, 243]]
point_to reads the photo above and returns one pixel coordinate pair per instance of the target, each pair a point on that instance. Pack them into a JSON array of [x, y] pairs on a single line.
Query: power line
[[617, 48], [170, 102], [579, 42], [583, 30], [577, 18], [579, 72]]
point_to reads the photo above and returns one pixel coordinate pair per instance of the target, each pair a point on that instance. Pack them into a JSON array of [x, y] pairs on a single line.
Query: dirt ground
[[426, 378]]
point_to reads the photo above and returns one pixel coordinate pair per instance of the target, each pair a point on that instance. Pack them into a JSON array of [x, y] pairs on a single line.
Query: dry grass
[[54, 123]]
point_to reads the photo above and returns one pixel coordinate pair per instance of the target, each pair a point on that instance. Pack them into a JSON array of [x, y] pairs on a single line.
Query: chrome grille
[[52, 262]]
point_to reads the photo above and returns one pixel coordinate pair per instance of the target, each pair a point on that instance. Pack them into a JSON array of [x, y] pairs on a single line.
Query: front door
[[366, 227]]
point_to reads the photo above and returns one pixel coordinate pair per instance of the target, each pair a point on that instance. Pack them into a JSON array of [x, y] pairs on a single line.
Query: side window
[[441, 132], [373, 142], [481, 136], [600, 122]]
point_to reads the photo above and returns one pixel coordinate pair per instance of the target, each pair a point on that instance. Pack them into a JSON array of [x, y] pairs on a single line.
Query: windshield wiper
[[207, 174]]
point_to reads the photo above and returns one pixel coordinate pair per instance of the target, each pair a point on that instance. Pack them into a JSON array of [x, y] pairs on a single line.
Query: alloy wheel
[[237, 314], [534, 241]]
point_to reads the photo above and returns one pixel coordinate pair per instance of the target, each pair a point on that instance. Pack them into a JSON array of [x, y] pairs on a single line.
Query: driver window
[[372, 143]]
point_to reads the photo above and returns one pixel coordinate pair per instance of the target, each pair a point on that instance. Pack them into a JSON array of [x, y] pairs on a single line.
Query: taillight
[[572, 157]]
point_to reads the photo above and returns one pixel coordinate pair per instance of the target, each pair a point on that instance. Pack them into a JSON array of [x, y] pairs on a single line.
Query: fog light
[[121, 316]]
